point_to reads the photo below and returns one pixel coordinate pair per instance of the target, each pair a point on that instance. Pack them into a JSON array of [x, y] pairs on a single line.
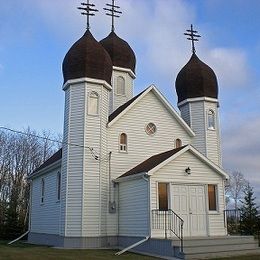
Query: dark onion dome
[[120, 52], [196, 79], [87, 58]]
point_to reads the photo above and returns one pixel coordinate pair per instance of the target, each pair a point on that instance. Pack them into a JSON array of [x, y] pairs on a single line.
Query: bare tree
[[235, 187]]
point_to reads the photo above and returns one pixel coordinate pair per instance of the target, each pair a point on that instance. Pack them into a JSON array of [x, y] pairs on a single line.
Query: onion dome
[[196, 79], [87, 58], [120, 52]]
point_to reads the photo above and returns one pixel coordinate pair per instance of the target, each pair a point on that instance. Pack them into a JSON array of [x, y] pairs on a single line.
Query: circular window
[[150, 129]]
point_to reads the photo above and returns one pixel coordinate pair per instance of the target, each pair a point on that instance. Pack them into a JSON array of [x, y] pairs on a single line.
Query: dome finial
[[88, 10], [192, 37], [113, 12]]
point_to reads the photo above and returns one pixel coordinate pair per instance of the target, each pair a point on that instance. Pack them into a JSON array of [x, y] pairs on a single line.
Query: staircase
[[211, 247]]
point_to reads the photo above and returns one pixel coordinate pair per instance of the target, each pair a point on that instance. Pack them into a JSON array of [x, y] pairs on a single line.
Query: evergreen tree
[[249, 215]]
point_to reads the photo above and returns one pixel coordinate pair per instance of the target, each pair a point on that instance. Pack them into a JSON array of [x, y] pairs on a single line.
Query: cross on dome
[[193, 37], [88, 10], [113, 12]]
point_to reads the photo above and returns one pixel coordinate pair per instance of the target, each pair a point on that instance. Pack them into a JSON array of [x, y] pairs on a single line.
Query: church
[[133, 171]]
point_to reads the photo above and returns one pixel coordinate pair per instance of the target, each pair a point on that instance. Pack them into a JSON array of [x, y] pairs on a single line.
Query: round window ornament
[[150, 129]]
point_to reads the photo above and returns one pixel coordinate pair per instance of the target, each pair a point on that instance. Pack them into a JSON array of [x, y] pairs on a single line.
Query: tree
[[249, 218], [20, 155], [234, 188]]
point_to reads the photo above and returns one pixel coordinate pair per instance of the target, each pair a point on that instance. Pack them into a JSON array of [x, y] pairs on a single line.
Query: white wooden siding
[[140, 145], [45, 217], [198, 126], [118, 100], [213, 136], [133, 208], [174, 172], [185, 113]]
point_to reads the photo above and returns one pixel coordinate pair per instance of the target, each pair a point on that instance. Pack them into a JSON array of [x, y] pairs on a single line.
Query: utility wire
[[91, 149]]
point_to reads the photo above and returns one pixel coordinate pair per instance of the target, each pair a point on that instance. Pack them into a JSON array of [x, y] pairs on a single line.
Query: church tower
[[87, 71], [197, 90], [123, 60]]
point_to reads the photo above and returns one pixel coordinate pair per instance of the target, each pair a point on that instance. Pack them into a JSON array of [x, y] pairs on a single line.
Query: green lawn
[[20, 251]]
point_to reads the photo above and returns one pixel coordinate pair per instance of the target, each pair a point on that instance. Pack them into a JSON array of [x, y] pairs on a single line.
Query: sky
[[35, 36]]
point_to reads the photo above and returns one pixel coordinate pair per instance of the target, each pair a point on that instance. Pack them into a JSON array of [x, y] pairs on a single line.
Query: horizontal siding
[[45, 217], [185, 113], [133, 208], [198, 126], [174, 172]]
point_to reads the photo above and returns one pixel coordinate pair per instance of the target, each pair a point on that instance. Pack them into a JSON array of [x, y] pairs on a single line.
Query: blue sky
[[35, 36]]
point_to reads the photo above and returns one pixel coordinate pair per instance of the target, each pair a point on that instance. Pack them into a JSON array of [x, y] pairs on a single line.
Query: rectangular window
[[42, 190], [58, 185], [163, 196], [212, 191]]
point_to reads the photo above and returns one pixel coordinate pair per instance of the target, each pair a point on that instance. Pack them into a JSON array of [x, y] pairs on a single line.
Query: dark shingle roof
[[120, 52], [123, 107], [196, 79], [55, 157], [87, 58], [152, 162]]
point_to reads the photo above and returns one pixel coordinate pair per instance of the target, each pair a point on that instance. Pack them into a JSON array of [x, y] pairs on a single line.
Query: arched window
[[120, 86], [42, 190], [211, 119], [93, 103], [123, 143], [58, 185], [178, 143]]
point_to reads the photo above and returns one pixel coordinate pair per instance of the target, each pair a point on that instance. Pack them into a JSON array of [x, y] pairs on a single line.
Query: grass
[[23, 251]]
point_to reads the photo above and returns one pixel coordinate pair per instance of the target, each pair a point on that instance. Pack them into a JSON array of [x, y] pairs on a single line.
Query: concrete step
[[227, 240], [210, 255]]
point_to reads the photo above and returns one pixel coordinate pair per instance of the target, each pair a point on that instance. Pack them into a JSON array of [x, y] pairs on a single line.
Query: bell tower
[[197, 89]]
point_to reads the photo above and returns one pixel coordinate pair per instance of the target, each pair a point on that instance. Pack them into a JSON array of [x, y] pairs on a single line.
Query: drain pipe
[[10, 243], [132, 246]]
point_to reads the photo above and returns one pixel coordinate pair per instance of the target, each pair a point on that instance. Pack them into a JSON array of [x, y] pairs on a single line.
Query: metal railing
[[168, 220], [232, 220]]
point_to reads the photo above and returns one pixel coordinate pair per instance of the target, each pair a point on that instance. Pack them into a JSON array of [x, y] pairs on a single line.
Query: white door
[[188, 201]]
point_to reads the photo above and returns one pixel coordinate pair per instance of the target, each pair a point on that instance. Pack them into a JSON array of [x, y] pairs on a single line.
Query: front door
[[188, 201]]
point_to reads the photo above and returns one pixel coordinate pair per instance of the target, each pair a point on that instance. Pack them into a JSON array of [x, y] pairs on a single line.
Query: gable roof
[[123, 107], [54, 158], [157, 161], [152, 162], [119, 112]]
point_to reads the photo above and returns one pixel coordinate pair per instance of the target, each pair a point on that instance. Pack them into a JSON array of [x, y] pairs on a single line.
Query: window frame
[[178, 143], [58, 186], [123, 86], [167, 195], [211, 114], [147, 130], [216, 208], [123, 145], [42, 190], [93, 95]]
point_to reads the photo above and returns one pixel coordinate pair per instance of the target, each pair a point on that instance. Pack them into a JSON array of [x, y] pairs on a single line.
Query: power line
[[91, 149]]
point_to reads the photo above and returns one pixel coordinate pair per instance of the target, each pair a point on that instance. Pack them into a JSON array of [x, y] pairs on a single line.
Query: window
[[93, 103], [150, 129], [58, 185], [163, 196], [178, 143], [211, 119], [212, 190], [123, 143], [42, 190], [120, 86]]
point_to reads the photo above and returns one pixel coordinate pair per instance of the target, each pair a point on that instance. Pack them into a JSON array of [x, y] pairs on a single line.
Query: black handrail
[[168, 220]]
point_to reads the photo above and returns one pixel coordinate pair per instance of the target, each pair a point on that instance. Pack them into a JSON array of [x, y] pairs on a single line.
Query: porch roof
[[152, 162]]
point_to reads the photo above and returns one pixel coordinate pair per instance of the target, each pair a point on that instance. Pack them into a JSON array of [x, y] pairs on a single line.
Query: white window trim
[[211, 128], [116, 88], [150, 134], [123, 145], [98, 103], [58, 186], [213, 212]]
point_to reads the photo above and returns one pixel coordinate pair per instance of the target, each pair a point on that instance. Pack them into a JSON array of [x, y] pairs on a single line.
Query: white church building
[[132, 168]]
